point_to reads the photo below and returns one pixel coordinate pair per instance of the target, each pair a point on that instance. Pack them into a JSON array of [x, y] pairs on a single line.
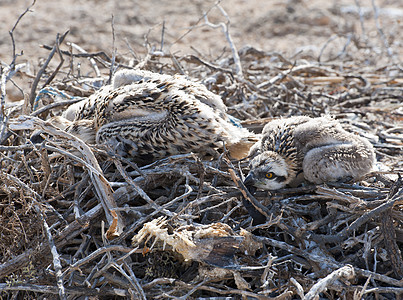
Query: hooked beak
[[249, 183], [249, 180], [257, 217]]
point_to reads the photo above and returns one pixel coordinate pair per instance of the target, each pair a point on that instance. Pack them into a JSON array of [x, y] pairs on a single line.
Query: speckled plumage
[[318, 147], [149, 116]]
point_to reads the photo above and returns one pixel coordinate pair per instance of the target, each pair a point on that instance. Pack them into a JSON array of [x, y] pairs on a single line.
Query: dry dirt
[[294, 28]]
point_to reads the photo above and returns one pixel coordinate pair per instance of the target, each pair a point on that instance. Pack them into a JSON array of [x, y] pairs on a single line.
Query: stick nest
[[69, 211]]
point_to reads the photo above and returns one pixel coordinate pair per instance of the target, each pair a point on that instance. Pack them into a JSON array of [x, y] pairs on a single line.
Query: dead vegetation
[[76, 220]]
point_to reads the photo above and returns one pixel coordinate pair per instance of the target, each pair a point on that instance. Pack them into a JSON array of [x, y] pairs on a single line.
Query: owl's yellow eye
[[269, 175]]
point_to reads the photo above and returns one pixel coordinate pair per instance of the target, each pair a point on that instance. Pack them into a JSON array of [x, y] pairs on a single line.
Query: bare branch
[[346, 272], [32, 94], [225, 28]]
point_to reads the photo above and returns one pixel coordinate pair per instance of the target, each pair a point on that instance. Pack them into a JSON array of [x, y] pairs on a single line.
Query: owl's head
[[268, 171]]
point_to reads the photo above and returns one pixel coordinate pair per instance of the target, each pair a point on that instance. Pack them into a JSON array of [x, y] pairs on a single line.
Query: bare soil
[[296, 29]]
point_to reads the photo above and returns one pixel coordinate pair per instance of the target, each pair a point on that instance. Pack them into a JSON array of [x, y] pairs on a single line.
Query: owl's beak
[[249, 183], [249, 180], [257, 217]]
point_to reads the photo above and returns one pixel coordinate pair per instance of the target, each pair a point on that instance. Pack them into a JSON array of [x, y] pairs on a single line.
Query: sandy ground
[[294, 28]]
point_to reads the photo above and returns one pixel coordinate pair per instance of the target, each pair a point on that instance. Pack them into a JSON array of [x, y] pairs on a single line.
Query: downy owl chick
[[317, 148]]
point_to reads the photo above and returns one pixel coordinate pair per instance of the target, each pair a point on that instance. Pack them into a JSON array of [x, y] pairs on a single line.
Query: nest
[[76, 220]]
